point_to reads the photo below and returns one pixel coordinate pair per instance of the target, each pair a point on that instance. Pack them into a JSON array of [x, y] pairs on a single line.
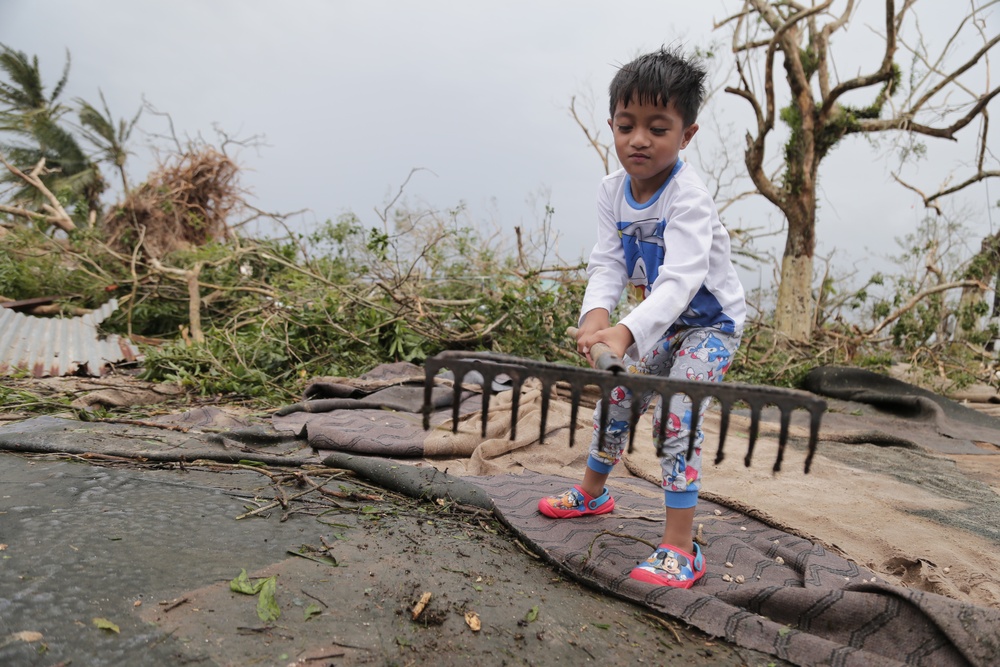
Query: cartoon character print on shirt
[[709, 351], [642, 242]]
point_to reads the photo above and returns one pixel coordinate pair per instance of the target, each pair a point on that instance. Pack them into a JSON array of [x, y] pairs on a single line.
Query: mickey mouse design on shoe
[[576, 502], [669, 566]]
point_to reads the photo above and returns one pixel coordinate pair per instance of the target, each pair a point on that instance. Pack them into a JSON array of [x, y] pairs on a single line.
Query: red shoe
[[669, 566], [576, 502]]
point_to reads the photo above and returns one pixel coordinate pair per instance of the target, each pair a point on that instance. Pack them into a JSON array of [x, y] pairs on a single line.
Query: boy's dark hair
[[661, 77]]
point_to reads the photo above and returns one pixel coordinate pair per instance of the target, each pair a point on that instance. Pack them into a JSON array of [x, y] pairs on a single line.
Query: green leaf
[[532, 614], [267, 605], [602, 626], [105, 624], [313, 610], [243, 584]]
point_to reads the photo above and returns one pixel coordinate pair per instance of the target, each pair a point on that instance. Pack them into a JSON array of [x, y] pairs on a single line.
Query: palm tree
[[99, 128], [31, 118]]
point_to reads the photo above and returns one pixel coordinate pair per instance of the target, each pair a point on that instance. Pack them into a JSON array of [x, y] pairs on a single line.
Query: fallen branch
[[919, 296], [57, 215]]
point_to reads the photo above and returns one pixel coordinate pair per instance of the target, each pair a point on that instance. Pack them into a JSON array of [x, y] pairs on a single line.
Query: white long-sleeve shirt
[[674, 249]]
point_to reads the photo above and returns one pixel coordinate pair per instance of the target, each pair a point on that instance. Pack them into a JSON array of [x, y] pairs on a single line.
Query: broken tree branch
[[55, 213], [917, 298]]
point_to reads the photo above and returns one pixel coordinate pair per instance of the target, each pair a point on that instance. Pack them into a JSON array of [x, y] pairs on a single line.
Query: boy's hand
[[592, 322], [619, 338]]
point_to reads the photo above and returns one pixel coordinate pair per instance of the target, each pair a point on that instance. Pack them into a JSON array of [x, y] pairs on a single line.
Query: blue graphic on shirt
[[644, 250]]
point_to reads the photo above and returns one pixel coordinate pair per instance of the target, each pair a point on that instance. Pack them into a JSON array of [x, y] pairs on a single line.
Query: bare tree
[[938, 98]]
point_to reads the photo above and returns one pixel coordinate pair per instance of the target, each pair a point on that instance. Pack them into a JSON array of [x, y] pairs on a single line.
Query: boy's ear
[[611, 125], [689, 133]]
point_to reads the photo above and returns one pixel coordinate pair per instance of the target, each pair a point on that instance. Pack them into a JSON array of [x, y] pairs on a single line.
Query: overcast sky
[[351, 96]]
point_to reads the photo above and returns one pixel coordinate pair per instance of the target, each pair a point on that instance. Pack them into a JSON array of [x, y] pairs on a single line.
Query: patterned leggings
[[697, 353]]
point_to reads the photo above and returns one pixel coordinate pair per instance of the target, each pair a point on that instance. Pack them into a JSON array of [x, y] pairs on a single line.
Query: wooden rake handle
[[604, 358]]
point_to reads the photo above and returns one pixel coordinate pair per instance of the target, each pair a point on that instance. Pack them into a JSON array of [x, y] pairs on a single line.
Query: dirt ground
[[154, 549], [391, 556]]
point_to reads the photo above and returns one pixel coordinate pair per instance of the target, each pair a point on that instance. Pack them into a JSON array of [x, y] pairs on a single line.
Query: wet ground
[[107, 562]]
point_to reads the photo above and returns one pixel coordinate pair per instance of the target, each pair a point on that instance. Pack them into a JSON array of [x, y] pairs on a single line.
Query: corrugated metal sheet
[[54, 346]]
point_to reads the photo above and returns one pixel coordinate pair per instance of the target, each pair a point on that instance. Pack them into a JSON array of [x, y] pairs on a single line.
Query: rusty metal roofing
[[54, 346]]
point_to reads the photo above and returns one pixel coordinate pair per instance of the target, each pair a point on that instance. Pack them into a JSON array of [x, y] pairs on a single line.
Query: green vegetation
[[233, 317]]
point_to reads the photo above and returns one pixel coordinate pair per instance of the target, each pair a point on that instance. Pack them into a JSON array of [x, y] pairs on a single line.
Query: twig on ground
[[590, 549], [306, 593], [665, 624], [173, 604], [272, 505], [526, 549]]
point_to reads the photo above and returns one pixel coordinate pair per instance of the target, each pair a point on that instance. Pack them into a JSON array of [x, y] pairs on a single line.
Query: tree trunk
[[971, 297], [794, 315]]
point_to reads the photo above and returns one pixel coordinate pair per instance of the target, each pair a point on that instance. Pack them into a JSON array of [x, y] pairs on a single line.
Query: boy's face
[[648, 139]]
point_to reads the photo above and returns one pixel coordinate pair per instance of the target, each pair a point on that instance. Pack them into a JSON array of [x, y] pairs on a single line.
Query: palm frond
[[98, 128], [26, 92], [62, 80]]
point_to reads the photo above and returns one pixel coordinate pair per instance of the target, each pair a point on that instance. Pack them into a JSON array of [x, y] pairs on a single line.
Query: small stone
[[726, 577], [874, 579], [743, 527], [740, 578], [779, 560], [718, 512], [728, 564], [947, 570]]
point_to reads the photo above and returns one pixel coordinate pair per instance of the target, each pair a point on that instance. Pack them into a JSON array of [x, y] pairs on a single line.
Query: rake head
[[489, 366]]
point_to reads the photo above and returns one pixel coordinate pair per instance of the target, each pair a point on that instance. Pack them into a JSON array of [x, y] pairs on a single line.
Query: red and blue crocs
[[669, 566], [576, 502]]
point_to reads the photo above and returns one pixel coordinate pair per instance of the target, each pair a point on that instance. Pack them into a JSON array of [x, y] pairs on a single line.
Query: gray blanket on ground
[[796, 600]]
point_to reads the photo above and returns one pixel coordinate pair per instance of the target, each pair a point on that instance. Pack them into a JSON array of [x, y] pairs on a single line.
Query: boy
[[658, 230]]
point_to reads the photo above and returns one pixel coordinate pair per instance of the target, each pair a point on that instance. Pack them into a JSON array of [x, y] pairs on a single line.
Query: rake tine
[[574, 410], [725, 407], [815, 413], [661, 431], [696, 399], [605, 397], [633, 421], [754, 428], [456, 399], [515, 404], [487, 388], [428, 389], [545, 411], [786, 416]]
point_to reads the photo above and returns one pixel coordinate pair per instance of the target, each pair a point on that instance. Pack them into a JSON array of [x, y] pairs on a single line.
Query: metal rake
[[609, 374]]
